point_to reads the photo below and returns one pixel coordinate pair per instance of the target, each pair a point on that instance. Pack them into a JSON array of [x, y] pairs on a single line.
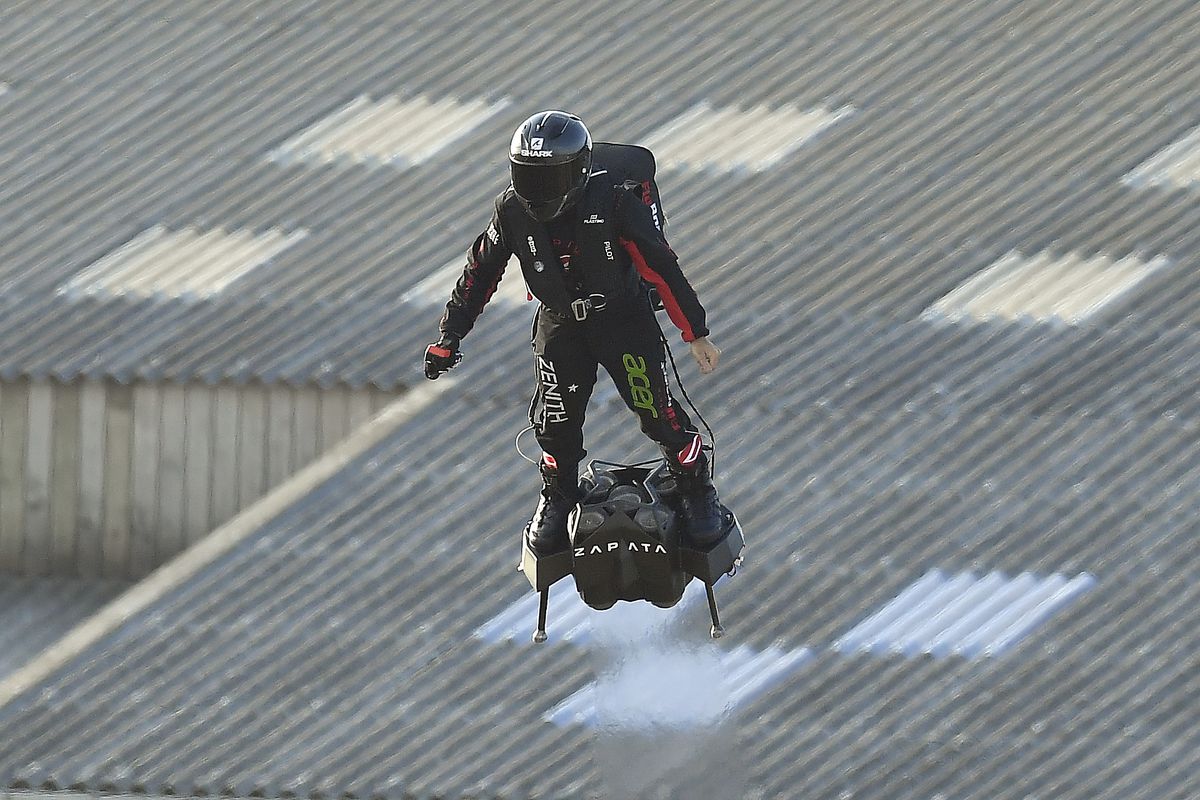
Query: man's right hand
[[441, 356]]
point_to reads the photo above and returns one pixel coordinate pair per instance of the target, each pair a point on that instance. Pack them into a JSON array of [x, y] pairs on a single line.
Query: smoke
[[661, 705]]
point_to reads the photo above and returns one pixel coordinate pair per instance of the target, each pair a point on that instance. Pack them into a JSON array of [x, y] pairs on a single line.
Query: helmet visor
[[543, 183]]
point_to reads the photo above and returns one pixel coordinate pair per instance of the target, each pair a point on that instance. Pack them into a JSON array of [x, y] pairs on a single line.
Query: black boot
[[547, 533], [703, 515]]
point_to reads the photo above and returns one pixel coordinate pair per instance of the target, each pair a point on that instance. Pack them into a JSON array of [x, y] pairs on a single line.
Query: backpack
[[632, 166]]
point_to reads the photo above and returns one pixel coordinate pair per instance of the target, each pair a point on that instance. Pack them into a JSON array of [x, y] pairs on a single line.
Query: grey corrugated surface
[[334, 653], [35, 612], [861, 445], [975, 131]]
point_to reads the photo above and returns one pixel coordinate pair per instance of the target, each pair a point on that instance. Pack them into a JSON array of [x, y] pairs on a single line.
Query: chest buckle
[[581, 306]]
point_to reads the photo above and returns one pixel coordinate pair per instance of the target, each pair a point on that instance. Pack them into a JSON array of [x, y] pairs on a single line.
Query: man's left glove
[[441, 356]]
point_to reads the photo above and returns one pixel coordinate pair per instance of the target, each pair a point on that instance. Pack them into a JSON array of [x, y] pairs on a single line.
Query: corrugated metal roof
[[737, 139], [956, 155], [35, 612], [265, 666], [862, 445], [1177, 164], [388, 132], [189, 263], [1069, 288], [963, 614]]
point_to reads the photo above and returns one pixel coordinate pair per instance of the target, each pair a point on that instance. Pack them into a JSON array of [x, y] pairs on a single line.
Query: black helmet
[[551, 158]]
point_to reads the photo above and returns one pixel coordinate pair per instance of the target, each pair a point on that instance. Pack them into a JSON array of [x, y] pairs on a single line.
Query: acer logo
[[639, 383], [611, 547]]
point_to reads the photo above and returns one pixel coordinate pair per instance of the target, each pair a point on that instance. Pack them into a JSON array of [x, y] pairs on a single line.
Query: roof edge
[[166, 578]]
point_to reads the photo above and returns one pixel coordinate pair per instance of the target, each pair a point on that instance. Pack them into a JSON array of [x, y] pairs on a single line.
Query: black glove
[[441, 356]]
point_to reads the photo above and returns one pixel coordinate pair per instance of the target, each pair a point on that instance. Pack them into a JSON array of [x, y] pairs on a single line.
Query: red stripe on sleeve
[[472, 269], [492, 289], [668, 297]]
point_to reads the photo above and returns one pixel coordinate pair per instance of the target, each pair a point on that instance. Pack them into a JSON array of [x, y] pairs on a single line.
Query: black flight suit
[[589, 269]]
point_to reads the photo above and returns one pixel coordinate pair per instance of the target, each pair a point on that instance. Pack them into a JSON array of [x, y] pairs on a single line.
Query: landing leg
[[539, 635], [717, 631]]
